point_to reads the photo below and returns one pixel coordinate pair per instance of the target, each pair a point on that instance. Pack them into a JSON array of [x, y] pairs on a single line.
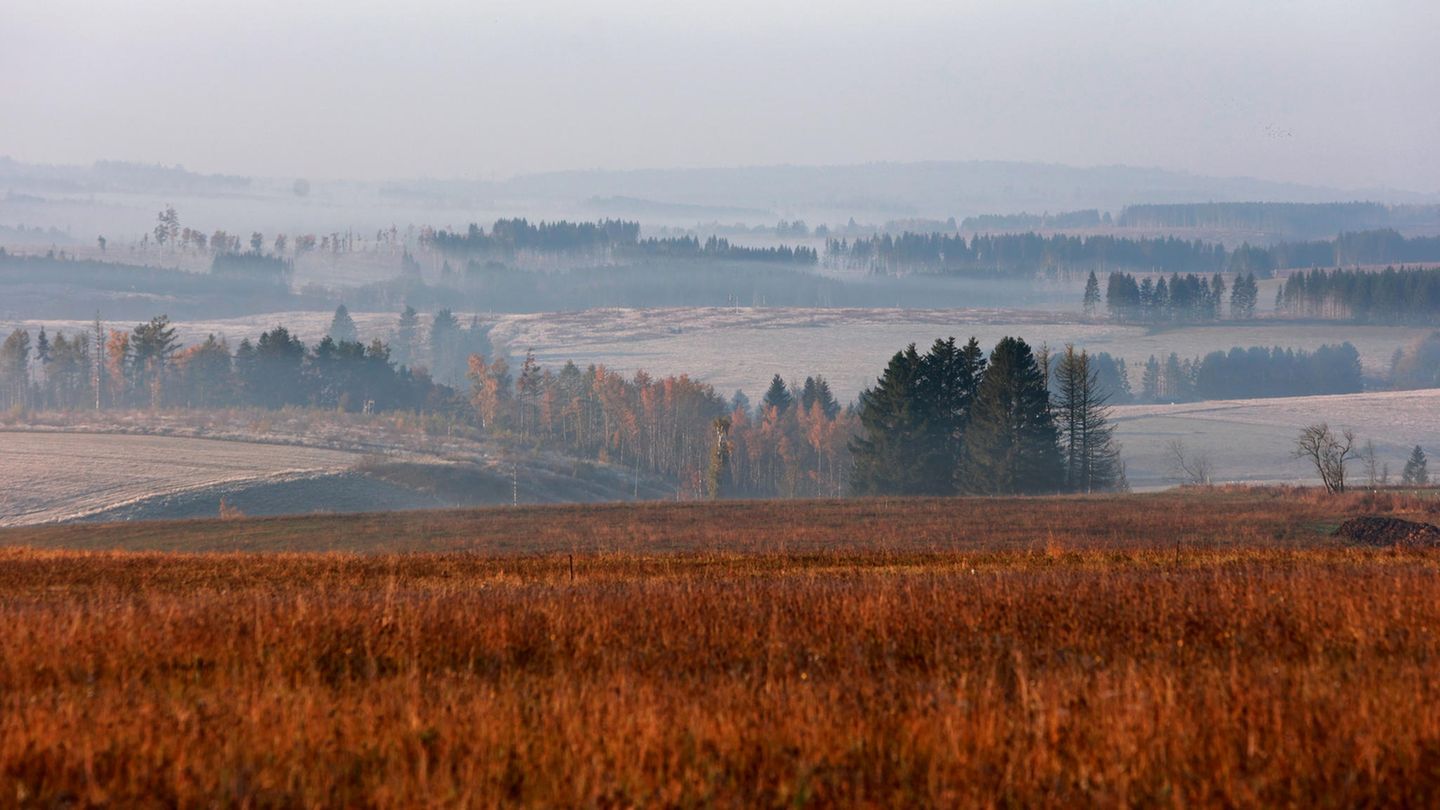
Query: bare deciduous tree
[[1193, 469], [1328, 452]]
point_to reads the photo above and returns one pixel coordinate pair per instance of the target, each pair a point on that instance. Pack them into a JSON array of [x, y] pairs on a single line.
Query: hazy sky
[[1339, 93]]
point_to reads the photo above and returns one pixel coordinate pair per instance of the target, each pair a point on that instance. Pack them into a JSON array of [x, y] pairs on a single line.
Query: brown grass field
[[1176, 649]]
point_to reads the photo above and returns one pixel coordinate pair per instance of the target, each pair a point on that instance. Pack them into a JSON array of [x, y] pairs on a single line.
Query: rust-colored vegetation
[[1190, 648]]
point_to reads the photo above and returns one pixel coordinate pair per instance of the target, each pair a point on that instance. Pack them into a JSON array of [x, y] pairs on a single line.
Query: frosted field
[[63, 476], [744, 347], [1251, 440]]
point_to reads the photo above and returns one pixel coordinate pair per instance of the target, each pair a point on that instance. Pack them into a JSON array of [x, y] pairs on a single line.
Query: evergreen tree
[[42, 348], [1217, 295], [1243, 297], [949, 377], [152, 345], [207, 374], [1092, 456], [778, 397], [407, 338], [1150, 382], [1091, 301], [1011, 444], [817, 390], [272, 369], [892, 432], [1415, 473], [342, 326], [447, 361], [1176, 386], [741, 403]]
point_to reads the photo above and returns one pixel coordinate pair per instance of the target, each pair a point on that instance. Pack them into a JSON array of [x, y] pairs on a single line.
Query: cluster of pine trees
[[1187, 298], [1253, 373], [953, 421], [1392, 295]]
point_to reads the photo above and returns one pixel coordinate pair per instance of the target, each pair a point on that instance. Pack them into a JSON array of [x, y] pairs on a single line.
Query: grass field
[[64, 476], [1171, 649]]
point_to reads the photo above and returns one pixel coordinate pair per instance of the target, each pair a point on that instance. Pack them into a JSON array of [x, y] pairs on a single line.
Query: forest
[[954, 421], [1031, 254], [1252, 373], [1185, 299], [608, 239], [980, 425], [1393, 296], [1021, 254]]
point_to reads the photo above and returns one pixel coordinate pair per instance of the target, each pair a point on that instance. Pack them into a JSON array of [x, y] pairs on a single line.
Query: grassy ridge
[[1254, 662]]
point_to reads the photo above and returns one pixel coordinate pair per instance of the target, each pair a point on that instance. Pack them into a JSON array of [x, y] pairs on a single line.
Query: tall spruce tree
[[342, 326], [778, 396], [406, 348], [1092, 456], [1091, 302], [447, 357], [1011, 444], [892, 431], [949, 377], [817, 391], [1415, 473]]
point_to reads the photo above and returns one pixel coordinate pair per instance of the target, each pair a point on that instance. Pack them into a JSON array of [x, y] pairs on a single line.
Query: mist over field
[[533, 403]]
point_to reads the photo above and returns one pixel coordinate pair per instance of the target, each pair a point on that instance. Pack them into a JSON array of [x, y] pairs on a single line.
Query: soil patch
[[1388, 531]]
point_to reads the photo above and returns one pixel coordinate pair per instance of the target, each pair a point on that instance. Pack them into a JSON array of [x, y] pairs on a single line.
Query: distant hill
[[935, 189]]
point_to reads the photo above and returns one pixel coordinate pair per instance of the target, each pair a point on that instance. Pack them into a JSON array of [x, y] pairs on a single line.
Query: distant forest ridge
[[619, 239], [1289, 220], [1029, 254]]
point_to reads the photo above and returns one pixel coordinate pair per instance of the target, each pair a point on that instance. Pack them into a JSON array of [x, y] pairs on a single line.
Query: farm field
[[1197, 648], [1250, 440], [742, 348], [54, 476], [66, 476]]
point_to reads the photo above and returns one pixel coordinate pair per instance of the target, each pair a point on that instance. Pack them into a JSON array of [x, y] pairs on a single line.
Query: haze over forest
[[489, 91]]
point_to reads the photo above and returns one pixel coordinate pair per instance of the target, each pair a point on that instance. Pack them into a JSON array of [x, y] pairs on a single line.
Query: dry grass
[[1011, 661]]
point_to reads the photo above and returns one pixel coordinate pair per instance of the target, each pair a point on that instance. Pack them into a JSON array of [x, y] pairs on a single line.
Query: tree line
[[1030, 253], [1024, 254], [610, 239], [689, 247], [1187, 298], [1251, 373], [792, 444], [1392, 295], [148, 367]]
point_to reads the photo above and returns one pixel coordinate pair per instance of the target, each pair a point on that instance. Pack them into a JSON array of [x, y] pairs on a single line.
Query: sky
[[1344, 94]]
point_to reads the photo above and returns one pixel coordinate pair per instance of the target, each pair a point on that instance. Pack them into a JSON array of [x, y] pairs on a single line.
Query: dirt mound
[[1388, 531]]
